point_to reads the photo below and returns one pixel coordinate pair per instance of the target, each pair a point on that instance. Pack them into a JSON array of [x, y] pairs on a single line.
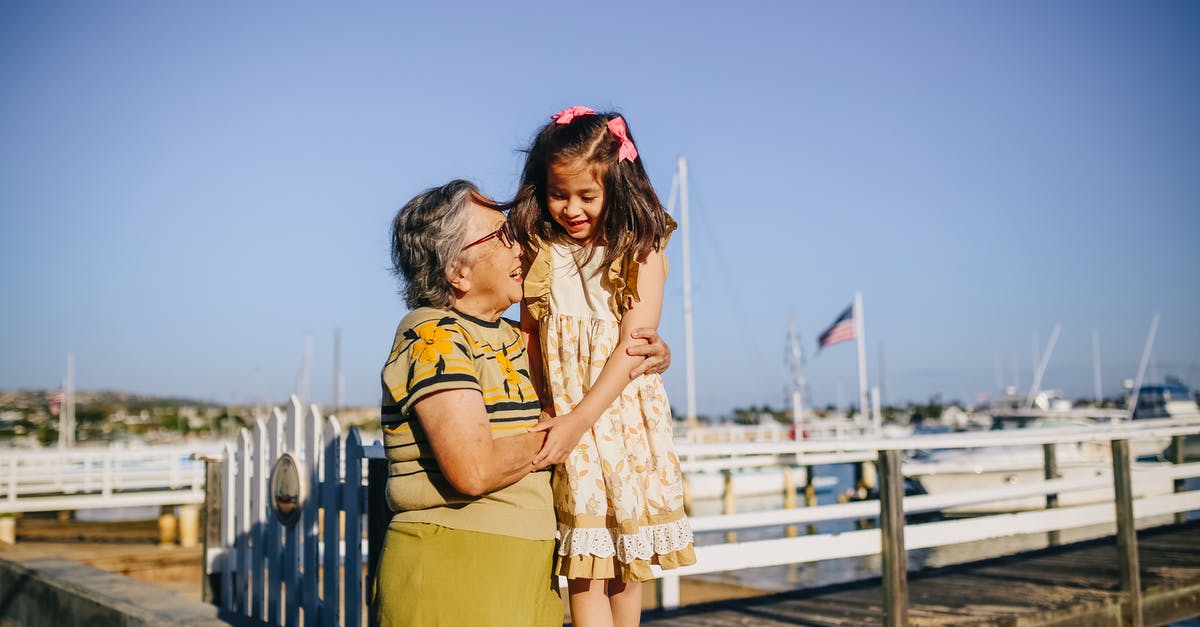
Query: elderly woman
[[471, 540]]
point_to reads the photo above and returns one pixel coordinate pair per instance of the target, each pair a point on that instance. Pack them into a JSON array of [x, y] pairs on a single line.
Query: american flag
[[841, 330]]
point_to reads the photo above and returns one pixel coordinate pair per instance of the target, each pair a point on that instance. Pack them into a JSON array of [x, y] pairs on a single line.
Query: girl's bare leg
[[589, 603], [625, 599]]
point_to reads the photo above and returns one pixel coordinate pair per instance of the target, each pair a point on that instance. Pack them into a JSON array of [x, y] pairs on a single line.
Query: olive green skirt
[[433, 576]]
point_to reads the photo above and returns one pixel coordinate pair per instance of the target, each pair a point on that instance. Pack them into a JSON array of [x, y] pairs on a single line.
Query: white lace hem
[[649, 541]]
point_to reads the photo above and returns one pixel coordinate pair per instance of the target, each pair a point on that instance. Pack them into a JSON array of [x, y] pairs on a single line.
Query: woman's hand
[[656, 352], [562, 435]]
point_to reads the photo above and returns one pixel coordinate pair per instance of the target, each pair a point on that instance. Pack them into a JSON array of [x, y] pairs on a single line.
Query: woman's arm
[[654, 353], [565, 430], [651, 354], [456, 423]]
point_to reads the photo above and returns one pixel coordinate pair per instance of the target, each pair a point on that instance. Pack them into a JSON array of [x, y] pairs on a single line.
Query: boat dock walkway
[[1077, 584]]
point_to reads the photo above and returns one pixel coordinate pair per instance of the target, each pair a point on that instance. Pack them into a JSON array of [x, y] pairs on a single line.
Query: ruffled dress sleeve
[[537, 282]]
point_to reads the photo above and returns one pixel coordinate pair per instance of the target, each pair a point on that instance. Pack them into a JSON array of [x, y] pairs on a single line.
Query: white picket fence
[[312, 570]]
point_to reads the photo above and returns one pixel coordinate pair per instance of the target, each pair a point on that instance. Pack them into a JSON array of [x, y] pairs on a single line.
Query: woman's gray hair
[[427, 238]]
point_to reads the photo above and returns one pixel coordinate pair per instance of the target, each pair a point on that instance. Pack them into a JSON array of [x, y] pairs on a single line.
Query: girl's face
[[575, 197]]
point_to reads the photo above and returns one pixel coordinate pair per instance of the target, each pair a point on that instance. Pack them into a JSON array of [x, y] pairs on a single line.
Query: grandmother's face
[[495, 264]]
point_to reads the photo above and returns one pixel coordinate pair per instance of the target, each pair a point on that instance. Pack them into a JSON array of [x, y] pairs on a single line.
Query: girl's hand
[[562, 435]]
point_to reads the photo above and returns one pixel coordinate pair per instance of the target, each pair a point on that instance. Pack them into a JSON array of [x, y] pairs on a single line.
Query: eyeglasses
[[505, 233]]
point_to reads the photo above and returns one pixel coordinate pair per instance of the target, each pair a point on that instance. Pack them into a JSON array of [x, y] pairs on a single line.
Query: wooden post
[[189, 525], [895, 558], [810, 494], [167, 526], [1131, 583], [1177, 458], [729, 503], [789, 497], [1050, 465], [810, 488], [8, 529], [210, 522]]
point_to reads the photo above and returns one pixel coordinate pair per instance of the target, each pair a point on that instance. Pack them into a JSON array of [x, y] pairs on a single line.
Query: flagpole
[[794, 356], [689, 359], [862, 358]]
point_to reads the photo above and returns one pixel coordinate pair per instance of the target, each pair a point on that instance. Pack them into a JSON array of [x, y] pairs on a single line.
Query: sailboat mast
[[1041, 367], [1141, 373], [1099, 389], [689, 359]]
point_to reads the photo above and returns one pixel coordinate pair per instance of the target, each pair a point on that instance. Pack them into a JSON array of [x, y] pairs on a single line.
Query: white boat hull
[[759, 482], [957, 478]]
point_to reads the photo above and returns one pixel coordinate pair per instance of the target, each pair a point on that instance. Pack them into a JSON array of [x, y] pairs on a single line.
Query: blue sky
[[189, 190]]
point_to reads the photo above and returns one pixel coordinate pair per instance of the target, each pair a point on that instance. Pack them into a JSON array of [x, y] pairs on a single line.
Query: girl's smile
[[575, 198]]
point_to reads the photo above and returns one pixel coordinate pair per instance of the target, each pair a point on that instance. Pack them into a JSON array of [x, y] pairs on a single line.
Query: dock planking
[[1077, 584]]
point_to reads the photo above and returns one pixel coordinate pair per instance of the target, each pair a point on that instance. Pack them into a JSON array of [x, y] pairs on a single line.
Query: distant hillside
[[28, 399], [107, 414]]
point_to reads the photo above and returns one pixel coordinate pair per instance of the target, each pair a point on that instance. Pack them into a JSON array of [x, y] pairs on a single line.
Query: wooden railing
[[893, 539], [282, 576]]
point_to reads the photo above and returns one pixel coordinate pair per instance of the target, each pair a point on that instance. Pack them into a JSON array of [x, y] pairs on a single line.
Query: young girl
[[594, 234]]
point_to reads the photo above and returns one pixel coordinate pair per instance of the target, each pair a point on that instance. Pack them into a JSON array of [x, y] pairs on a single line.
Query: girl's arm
[[566, 430], [533, 346]]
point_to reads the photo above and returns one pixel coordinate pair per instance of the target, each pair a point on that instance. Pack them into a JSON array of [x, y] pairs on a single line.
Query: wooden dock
[[1078, 584]]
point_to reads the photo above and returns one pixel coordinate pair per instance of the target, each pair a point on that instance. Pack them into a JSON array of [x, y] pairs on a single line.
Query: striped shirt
[[436, 350]]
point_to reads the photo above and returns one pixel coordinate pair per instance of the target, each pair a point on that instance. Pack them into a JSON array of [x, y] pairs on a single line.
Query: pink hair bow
[[570, 113], [627, 151]]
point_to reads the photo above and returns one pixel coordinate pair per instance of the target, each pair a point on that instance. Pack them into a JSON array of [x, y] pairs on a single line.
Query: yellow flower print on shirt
[[510, 371], [432, 342]]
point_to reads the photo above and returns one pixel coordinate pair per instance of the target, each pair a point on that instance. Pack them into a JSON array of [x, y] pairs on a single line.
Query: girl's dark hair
[[633, 221]]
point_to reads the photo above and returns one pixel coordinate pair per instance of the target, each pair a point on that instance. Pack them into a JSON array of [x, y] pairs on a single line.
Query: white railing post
[[259, 520], [312, 470], [12, 479], [273, 531], [243, 521], [176, 471], [228, 533], [668, 591], [107, 477], [293, 434]]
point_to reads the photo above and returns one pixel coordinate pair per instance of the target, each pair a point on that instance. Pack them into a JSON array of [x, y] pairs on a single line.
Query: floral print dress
[[619, 495]]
